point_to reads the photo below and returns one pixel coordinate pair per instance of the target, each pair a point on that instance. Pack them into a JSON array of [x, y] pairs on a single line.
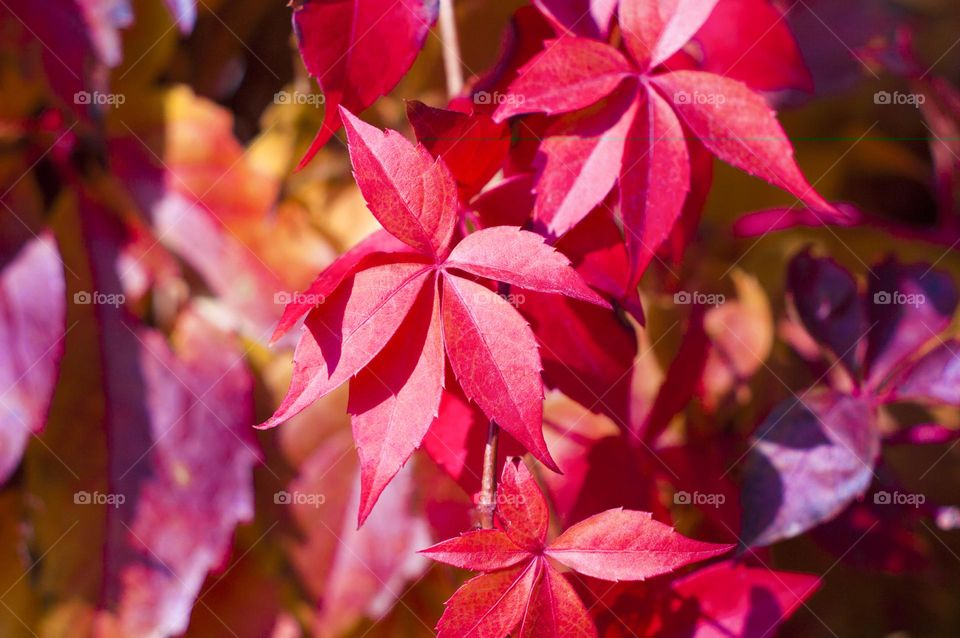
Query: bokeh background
[[168, 229]]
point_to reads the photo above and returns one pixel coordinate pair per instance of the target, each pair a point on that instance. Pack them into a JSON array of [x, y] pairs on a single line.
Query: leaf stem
[[451, 48], [487, 504]]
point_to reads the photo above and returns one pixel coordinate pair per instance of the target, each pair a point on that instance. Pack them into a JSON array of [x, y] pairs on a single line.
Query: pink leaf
[[739, 127], [570, 74], [579, 161], [345, 333], [626, 545], [934, 377], [490, 605], [410, 193], [484, 550], [654, 180], [520, 258], [656, 29], [358, 50], [33, 298], [494, 355], [521, 508]]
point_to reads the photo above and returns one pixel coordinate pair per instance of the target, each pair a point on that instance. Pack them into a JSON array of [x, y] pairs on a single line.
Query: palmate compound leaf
[[527, 590], [726, 116], [377, 314], [358, 50]]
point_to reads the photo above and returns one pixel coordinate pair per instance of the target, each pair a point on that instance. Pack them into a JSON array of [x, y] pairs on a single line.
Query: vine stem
[[451, 48], [487, 504]]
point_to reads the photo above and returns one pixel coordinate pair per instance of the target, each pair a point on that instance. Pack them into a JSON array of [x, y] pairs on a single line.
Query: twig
[[487, 504], [451, 48]]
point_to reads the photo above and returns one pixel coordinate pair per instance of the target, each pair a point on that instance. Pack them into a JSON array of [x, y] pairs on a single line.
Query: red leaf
[[32, 330], [345, 333], [654, 180], [378, 244], [509, 203], [358, 50], [626, 545], [749, 40], [729, 599], [570, 74], [521, 508], [490, 605], [656, 29], [739, 127], [395, 398], [484, 550], [520, 258], [579, 160], [410, 193], [472, 146], [555, 609], [494, 355]]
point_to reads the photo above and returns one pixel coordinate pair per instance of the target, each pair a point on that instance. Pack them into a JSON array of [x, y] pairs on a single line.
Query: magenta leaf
[[587, 18], [656, 29], [934, 377]]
